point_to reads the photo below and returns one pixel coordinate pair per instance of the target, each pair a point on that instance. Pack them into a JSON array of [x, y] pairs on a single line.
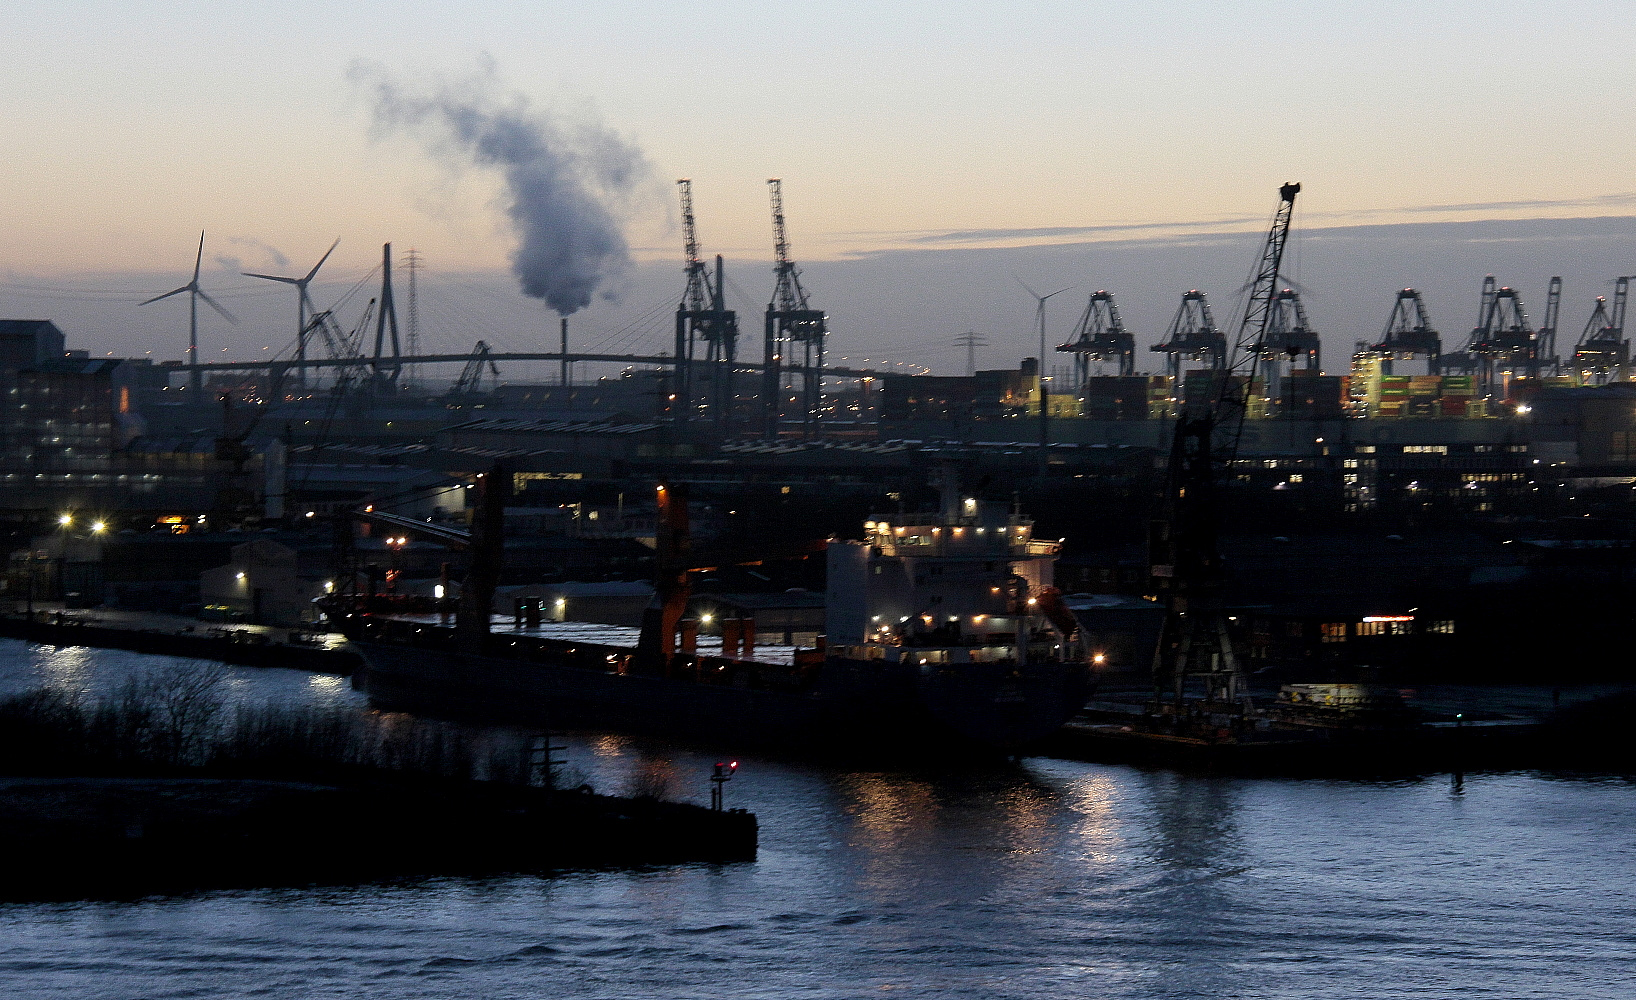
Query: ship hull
[[848, 705]]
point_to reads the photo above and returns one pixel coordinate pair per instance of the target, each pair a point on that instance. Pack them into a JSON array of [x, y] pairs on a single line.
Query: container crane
[[1289, 336], [1193, 335], [1545, 337], [1409, 333], [1194, 645], [1502, 343], [792, 326], [1603, 353], [703, 316], [1100, 337]]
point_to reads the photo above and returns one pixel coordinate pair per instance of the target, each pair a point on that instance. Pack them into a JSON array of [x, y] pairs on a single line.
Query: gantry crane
[[1545, 336], [1503, 343], [1289, 336], [795, 332], [703, 316], [1603, 353], [1409, 333], [1193, 335], [1194, 645], [1100, 337]]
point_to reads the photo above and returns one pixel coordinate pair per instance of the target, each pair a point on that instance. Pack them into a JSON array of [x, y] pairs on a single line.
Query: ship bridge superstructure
[[964, 584]]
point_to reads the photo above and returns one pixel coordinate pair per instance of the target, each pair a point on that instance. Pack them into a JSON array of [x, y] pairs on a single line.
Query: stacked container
[[1458, 391]]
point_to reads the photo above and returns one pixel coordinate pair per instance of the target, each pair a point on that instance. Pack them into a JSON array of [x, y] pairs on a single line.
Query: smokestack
[[565, 352]]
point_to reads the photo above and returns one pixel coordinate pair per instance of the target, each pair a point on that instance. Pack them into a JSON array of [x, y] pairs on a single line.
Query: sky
[[929, 152]]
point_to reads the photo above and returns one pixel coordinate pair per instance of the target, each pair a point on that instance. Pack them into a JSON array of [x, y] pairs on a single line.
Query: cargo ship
[[943, 631]]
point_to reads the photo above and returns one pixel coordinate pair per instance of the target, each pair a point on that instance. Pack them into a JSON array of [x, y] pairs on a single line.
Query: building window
[[1441, 628], [1333, 631], [1371, 628], [1363, 449], [1425, 449]]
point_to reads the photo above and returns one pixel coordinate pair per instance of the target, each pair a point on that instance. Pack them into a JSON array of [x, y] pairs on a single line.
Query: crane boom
[[1233, 401], [699, 295], [1194, 644]]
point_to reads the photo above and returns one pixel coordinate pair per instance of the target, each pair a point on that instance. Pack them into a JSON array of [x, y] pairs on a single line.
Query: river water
[[1043, 878]]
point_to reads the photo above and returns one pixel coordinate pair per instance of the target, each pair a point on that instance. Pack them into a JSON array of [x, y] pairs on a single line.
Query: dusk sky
[[902, 131]]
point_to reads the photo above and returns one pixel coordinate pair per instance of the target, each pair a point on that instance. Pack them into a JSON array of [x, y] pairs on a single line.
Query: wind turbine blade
[[178, 291], [1025, 287], [272, 277], [321, 260], [199, 259], [1061, 290], [217, 306]]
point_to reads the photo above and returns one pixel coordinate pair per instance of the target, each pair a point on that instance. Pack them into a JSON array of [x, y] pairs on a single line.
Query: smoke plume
[[568, 183]]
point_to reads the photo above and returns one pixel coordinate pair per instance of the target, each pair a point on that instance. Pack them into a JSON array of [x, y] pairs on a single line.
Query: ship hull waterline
[[850, 706]]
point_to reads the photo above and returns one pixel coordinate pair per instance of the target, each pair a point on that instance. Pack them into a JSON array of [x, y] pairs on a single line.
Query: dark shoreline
[[118, 837]]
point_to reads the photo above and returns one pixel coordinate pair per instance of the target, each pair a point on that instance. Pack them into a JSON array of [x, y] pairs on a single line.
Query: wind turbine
[[1045, 400], [195, 293], [303, 303]]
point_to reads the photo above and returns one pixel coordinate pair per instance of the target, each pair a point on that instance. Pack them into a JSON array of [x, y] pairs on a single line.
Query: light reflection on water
[[1043, 878]]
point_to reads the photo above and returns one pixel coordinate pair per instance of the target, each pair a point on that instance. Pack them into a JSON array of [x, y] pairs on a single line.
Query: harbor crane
[[1100, 337], [1546, 335], [1503, 343], [703, 317], [1603, 354], [1409, 334], [1194, 644], [1193, 335], [792, 327], [470, 382], [1289, 336]]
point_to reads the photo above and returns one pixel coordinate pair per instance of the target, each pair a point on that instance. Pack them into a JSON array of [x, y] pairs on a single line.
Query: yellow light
[[98, 526], [707, 619], [1033, 601], [65, 520], [1099, 659], [240, 576]]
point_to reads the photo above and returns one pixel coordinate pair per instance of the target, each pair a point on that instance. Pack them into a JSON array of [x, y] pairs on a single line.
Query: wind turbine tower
[[194, 294], [303, 304]]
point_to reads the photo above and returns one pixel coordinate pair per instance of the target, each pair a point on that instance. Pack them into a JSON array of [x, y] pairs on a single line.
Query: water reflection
[[1047, 878]]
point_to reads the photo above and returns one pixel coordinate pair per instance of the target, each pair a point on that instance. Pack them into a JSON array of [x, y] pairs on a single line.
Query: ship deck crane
[[1603, 353], [792, 326], [703, 316], [1193, 335], [1100, 337], [1194, 645]]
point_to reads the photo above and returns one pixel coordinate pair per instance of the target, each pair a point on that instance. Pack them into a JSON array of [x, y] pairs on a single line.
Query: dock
[[174, 635]]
